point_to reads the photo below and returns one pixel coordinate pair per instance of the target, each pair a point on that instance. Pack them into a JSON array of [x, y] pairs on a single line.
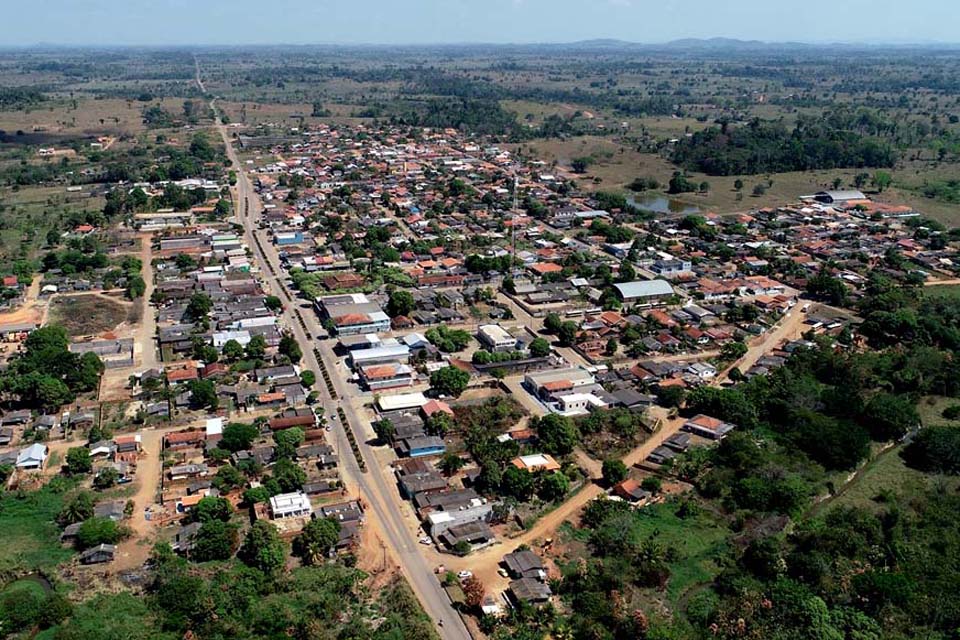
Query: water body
[[663, 205]]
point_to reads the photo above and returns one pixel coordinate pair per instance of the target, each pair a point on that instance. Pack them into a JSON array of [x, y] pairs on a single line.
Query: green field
[[31, 537]]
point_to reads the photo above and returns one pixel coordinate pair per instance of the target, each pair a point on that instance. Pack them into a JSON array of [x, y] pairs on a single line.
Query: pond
[[662, 204]]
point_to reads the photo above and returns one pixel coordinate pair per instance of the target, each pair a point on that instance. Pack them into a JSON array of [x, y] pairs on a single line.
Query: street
[[375, 487]]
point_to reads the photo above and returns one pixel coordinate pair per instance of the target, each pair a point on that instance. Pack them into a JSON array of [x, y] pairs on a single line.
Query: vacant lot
[[85, 116], [31, 538], [86, 315]]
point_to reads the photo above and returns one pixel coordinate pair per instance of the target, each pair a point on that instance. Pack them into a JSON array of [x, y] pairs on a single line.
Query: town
[[455, 364]]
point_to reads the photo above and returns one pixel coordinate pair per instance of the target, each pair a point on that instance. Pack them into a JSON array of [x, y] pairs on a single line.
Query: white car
[[426, 540], [463, 575]]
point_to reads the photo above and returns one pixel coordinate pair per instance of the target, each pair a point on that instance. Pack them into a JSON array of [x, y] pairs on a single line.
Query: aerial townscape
[[588, 341]]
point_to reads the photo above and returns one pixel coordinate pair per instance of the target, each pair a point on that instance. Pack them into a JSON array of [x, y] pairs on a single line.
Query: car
[[426, 540], [463, 575], [503, 573]]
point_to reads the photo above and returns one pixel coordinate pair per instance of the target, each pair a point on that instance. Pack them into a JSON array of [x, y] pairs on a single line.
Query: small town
[[356, 368]]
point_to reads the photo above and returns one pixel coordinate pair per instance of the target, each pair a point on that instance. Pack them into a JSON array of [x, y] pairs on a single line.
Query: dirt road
[[135, 550], [145, 349]]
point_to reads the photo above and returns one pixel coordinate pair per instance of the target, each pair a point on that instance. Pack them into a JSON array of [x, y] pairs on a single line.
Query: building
[[352, 314], [530, 591], [33, 457], [708, 427], [525, 564], [420, 446], [536, 462], [387, 376], [579, 403], [548, 385], [397, 353], [290, 505], [837, 196], [644, 291], [441, 511], [495, 338], [99, 554], [672, 267]]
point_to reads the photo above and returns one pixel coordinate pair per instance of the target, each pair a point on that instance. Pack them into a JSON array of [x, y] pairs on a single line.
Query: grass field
[[87, 315], [942, 290], [31, 537], [700, 540], [85, 116]]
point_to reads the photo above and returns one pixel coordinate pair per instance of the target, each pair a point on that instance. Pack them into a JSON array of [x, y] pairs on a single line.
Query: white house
[[290, 505], [32, 457]]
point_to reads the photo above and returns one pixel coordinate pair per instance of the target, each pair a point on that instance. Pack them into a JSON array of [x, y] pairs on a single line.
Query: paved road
[[375, 487]]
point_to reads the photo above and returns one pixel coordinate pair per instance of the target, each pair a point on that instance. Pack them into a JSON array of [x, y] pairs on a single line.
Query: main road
[[376, 486]]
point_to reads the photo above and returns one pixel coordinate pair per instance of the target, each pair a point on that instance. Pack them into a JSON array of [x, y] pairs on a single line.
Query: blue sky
[[163, 22]]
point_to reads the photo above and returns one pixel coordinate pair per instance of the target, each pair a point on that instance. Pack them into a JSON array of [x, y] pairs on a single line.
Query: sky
[[238, 22]]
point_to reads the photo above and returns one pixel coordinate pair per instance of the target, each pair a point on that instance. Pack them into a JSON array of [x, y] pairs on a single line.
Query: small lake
[[662, 204]]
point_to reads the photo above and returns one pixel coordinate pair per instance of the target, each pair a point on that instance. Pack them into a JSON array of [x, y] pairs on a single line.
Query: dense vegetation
[[766, 147]]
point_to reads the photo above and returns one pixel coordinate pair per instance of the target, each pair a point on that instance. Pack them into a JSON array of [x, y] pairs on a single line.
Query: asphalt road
[[376, 486]]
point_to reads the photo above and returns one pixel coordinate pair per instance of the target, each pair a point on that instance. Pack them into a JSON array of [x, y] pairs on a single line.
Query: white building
[[290, 505], [496, 338]]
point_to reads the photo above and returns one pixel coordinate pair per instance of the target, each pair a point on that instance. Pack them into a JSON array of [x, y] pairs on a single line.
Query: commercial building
[[495, 338], [644, 291]]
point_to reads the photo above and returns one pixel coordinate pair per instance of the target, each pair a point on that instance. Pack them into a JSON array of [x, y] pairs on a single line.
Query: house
[[525, 564], [33, 457], [342, 512], [99, 554], [290, 505], [110, 510], [185, 439], [661, 455], [548, 385], [536, 462], [186, 471], [387, 376], [631, 491], [183, 540], [529, 591], [420, 446], [472, 533], [703, 370], [434, 407], [441, 511], [708, 427], [496, 339]]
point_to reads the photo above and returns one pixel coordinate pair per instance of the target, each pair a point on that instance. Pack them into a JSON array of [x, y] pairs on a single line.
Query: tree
[[400, 303], [228, 478], [78, 509], [934, 450], [107, 478], [738, 184], [579, 165], [517, 483], [671, 395], [733, 351], [232, 350], [473, 591], [257, 347], [539, 348], [288, 475], [558, 434], [653, 484], [554, 486], [882, 180], [238, 436], [136, 287], [308, 378], [316, 540], [262, 548], [273, 303], [214, 540], [614, 471], [449, 381], [567, 333], [199, 306], [203, 395], [213, 508], [450, 463], [96, 531], [611, 348], [888, 416], [287, 442], [384, 429], [552, 323], [78, 461], [290, 348], [626, 273]]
